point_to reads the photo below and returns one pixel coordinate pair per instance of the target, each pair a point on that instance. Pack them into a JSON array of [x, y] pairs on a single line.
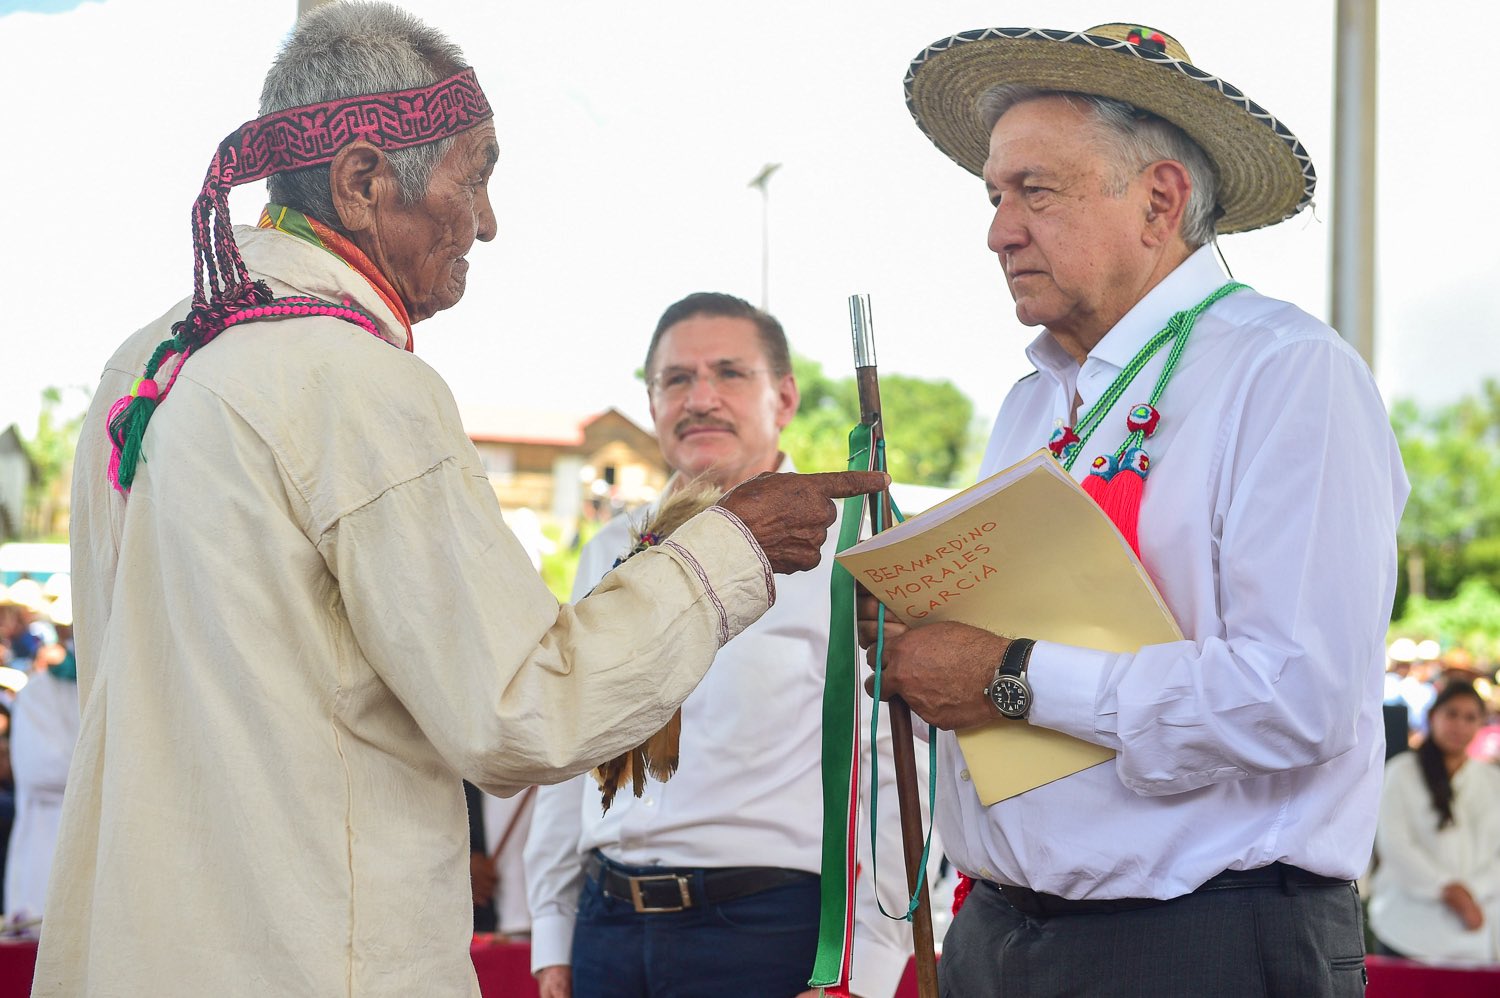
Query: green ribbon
[[840, 743], [932, 768], [841, 698]]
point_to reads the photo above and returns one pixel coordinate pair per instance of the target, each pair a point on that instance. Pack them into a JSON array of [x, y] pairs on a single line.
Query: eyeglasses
[[678, 382]]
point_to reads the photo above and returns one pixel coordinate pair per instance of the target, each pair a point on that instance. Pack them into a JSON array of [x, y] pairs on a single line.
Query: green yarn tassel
[[128, 429]]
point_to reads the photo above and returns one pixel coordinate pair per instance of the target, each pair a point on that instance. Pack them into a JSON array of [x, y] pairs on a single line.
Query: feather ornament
[[659, 754]]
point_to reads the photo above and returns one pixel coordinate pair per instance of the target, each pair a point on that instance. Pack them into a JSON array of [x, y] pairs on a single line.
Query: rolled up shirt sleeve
[[1309, 488], [512, 688]]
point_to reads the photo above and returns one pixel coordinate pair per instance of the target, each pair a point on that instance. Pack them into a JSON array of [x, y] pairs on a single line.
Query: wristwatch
[[1009, 691]]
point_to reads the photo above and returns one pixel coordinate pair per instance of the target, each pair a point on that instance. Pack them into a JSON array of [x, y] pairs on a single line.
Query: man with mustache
[[708, 882]]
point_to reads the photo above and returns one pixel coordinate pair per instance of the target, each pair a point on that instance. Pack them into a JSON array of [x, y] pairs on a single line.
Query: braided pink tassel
[[114, 448]]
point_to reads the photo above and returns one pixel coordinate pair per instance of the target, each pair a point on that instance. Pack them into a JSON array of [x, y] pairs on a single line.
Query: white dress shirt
[[511, 815], [1418, 859], [748, 789], [1269, 526], [43, 730]]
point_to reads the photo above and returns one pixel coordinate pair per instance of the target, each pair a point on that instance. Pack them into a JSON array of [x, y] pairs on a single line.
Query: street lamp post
[[762, 182], [1353, 249]]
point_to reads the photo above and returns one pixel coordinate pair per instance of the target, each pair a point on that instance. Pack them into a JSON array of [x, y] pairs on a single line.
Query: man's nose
[[1007, 229], [484, 216], [703, 393]]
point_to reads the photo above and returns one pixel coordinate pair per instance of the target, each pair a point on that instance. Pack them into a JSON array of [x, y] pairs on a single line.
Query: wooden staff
[[907, 792]]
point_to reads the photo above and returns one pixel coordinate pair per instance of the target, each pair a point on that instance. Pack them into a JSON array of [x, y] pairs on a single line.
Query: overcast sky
[[629, 133]]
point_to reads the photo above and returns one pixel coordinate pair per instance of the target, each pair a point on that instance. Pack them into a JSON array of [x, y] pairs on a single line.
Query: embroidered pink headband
[[293, 139], [312, 135]]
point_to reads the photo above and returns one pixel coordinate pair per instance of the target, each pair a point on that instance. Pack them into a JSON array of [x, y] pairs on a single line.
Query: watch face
[[1012, 696]]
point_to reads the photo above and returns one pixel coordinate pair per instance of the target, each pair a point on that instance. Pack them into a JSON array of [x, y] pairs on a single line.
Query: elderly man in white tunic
[[266, 795]]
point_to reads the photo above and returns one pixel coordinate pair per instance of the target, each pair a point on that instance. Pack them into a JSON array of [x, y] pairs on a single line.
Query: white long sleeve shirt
[[747, 792], [43, 731], [1417, 860], [1269, 525], [513, 815]]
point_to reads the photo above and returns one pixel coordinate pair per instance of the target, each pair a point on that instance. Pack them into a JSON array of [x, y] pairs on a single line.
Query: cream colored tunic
[[306, 622]]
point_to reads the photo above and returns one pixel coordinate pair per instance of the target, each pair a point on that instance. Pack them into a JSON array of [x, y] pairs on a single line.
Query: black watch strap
[[1010, 692], [1017, 656]]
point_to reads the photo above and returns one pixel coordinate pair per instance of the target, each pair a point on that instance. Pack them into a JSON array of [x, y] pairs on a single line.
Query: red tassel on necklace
[[961, 890], [1117, 486], [1121, 495]]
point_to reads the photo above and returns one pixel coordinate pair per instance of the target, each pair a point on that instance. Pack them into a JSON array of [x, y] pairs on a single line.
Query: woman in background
[[1436, 890]]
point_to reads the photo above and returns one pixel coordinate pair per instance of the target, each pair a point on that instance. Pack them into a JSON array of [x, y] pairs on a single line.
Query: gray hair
[[1138, 138], [349, 50]]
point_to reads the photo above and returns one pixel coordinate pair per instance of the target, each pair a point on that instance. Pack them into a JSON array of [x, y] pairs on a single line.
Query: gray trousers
[[1252, 942]]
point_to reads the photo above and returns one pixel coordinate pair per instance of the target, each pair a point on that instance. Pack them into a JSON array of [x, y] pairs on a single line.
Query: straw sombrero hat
[[1264, 173]]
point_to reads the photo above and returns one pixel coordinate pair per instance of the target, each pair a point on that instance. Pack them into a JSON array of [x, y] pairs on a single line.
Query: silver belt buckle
[[642, 908]]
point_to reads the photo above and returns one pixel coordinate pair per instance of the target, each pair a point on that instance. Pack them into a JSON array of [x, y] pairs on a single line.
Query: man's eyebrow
[[716, 362], [1019, 173], [1035, 172], [491, 153]]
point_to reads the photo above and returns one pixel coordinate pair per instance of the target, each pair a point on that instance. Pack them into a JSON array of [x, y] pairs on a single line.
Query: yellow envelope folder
[[1024, 553]]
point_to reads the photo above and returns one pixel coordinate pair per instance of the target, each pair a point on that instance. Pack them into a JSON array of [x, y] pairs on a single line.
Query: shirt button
[[649, 802], [963, 774]]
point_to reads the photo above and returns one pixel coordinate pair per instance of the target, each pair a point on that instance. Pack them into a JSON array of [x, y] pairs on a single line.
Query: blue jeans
[[761, 946]]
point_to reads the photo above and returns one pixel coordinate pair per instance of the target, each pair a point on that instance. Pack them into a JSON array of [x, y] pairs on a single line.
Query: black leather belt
[[1283, 876], [661, 889]]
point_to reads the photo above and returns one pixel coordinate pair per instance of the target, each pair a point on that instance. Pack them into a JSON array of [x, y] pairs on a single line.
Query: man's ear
[[1168, 186], [788, 398], [358, 180]]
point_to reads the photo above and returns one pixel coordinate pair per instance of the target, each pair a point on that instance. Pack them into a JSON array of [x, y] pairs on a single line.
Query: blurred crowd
[[1416, 672], [38, 729]]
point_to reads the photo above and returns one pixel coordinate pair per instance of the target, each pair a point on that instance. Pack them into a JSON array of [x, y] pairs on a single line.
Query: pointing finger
[[843, 484]]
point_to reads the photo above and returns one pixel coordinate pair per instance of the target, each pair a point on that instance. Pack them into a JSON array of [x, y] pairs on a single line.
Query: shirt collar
[[1189, 283], [312, 270]]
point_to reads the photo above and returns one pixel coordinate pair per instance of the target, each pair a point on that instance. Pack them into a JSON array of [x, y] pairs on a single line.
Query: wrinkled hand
[[482, 878], [1457, 897], [790, 514], [941, 671], [555, 982]]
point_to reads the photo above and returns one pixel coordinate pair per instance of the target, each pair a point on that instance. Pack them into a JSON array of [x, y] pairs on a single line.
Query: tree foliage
[[929, 433], [51, 449], [1451, 529], [1469, 620]]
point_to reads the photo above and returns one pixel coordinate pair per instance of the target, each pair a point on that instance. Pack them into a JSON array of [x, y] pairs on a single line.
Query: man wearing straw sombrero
[[1243, 450]]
